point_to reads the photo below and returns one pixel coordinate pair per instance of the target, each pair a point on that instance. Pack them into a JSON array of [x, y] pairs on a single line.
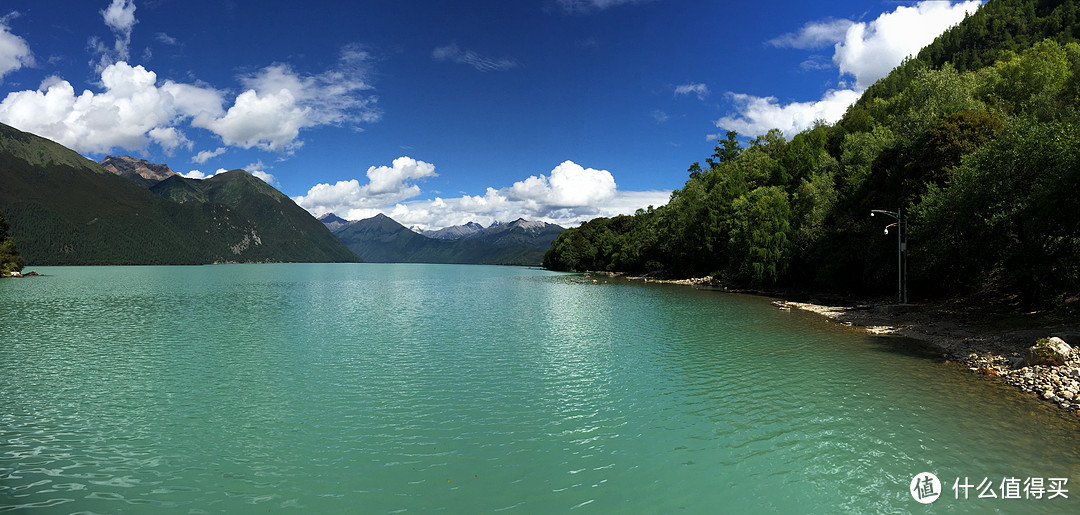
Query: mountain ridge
[[139, 171], [382, 239], [65, 209]]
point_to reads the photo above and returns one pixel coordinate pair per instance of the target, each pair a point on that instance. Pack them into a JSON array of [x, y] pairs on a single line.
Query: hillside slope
[[65, 209]]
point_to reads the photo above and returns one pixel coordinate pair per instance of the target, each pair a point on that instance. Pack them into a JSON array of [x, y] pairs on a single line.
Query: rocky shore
[[1032, 352]]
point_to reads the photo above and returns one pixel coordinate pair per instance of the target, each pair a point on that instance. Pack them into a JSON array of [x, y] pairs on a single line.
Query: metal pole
[[901, 252], [905, 265], [899, 257]]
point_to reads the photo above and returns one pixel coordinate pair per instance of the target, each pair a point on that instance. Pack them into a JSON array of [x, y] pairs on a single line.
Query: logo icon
[[925, 487]]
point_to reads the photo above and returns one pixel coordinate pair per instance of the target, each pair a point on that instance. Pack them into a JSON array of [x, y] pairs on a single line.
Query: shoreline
[[988, 344]]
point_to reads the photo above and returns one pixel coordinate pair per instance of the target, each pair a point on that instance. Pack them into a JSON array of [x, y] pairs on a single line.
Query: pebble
[[1057, 384]]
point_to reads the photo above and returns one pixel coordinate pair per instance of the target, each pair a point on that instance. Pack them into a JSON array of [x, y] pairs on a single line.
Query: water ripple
[[332, 388]]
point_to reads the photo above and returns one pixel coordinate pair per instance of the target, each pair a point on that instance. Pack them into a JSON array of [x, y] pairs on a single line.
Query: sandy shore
[[985, 343]]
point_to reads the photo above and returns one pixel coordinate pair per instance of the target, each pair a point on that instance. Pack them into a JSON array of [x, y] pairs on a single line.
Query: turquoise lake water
[[380, 388]]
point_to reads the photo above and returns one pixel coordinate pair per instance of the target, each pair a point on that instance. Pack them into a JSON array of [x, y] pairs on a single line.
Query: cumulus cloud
[[495, 206], [198, 174], [866, 51], [123, 115], [386, 185], [567, 195], [454, 54], [869, 51], [206, 155], [14, 50], [759, 114], [279, 102], [119, 16], [270, 121], [569, 185], [815, 34], [698, 89], [133, 111], [258, 170], [169, 138]]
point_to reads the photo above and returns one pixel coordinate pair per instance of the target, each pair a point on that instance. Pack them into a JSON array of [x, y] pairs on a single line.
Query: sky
[[438, 113]]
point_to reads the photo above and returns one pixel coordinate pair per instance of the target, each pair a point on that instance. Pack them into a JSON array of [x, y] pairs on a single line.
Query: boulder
[[1048, 351]]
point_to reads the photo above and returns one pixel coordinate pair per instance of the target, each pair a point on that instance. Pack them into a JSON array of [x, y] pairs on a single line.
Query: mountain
[[139, 171], [279, 226], [332, 221], [454, 232], [381, 239], [64, 209], [519, 232]]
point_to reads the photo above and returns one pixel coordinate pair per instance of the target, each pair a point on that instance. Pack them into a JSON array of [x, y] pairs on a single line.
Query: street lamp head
[[886, 230]]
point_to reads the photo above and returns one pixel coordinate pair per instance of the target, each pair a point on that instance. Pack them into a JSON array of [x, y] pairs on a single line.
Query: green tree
[[727, 149], [10, 261], [1007, 220], [761, 234]]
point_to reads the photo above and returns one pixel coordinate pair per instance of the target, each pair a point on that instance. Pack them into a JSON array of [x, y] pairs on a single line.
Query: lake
[[386, 388]]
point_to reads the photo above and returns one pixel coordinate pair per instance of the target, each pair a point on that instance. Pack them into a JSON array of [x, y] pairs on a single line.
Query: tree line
[[984, 163], [10, 261]]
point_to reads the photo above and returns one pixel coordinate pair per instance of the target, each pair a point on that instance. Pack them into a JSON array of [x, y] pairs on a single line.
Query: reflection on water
[[382, 388]]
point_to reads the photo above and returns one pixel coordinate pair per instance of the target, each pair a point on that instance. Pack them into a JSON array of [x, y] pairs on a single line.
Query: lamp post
[[901, 251]]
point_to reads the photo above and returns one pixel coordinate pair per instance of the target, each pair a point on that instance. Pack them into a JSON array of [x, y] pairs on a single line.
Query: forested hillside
[[64, 209], [975, 141], [10, 260]]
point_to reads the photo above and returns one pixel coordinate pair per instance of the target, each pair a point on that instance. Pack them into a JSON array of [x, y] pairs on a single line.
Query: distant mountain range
[[381, 239], [65, 209]]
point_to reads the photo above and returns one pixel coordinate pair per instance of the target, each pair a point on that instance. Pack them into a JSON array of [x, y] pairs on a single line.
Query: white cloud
[[270, 121], [660, 116], [566, 196], [258, 170], [169, 138], [90, 122], [198, 174], [199, 102], [454, 54], [165, 38], [869, 51], [123, 115], [14, 50], [588, 6], [698, 89], [866, 51], [267, 178], [206, 155], [386, 185], [815, 34], [119, 16], [278, 104], [759, 114], [569, 185]]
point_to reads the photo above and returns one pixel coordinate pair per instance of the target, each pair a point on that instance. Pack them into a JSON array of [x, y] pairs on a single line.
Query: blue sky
[[437, 113]]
